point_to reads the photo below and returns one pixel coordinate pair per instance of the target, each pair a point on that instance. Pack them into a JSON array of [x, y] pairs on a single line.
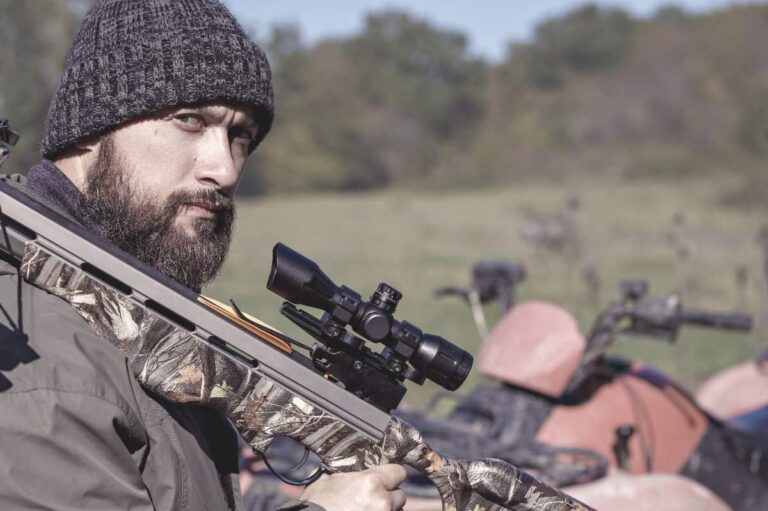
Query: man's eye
[[241, 134], [190, 121]]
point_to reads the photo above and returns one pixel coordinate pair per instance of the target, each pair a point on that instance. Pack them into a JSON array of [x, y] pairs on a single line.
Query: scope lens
[[442, 362], [299, 279]]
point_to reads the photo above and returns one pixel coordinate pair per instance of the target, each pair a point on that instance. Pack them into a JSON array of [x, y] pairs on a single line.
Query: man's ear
[[88, 145], [76, 161]]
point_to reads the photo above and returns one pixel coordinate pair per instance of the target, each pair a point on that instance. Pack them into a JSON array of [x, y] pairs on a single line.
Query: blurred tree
[[753, 128], [590, 38], [368, 111], [404, 103], [318, 140], [31, 59], [283, 44], [405, 64], [544, 66], [671, 14]]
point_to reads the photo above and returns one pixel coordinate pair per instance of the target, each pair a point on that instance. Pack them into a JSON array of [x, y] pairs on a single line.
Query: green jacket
[[77, 431]]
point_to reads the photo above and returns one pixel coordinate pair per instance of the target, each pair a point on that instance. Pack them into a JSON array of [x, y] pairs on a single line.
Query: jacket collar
[[49, 185]]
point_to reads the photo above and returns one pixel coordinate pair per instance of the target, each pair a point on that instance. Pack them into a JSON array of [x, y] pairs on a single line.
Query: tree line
[[596, 92]]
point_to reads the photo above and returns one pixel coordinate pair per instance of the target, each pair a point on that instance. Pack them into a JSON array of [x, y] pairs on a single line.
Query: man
[[159, 106]]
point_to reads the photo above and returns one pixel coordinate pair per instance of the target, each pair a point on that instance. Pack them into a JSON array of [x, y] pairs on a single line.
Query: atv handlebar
[[662, 318], [739, 322], [452, 291]]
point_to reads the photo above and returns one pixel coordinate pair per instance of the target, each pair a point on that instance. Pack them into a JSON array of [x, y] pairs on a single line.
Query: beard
[[145, 227]]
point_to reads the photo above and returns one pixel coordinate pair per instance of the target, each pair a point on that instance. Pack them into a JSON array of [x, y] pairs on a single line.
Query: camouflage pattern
[[176, 364]]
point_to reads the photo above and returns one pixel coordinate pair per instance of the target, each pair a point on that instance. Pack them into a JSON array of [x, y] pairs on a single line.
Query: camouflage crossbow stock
[[190, 350]]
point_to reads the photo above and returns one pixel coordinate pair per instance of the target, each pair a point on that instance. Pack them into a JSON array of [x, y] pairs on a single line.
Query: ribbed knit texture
[[131, 58], [49, 185]]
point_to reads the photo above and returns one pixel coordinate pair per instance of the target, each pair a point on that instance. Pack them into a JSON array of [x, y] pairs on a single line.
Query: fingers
[[392, 476], [398, 499], [373, 489]]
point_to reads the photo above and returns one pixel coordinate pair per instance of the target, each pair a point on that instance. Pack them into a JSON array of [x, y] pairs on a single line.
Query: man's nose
[[216, 166]]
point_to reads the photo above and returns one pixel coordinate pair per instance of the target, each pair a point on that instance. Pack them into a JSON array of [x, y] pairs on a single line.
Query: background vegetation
[[708, 254], [642, 142], [404, 104]]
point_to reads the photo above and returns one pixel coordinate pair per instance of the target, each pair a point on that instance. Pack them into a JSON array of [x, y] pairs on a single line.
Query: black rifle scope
[[301, 281]]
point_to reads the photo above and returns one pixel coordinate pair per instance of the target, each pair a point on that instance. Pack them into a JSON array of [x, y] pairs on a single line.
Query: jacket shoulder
[[47, 345], [47, 349]]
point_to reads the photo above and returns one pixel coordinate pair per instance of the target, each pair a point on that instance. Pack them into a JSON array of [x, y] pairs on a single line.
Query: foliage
[[319, 138], [662, 162], [403, 103], [31, 58], [406, 65], [369, 111], [753, 129], [671, 14], [587, 39]]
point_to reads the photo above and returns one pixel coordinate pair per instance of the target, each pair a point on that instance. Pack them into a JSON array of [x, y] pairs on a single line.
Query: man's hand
[[375, 489]]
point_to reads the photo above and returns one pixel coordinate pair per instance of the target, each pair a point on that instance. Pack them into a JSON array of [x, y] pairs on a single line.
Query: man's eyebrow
[[209, 110], [218, 112]]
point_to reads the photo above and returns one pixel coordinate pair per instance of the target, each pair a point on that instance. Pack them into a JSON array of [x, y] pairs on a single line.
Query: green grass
[[417, 242]]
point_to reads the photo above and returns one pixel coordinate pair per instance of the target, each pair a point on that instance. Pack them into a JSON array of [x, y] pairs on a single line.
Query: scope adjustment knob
[[386, 297], [376, 325]]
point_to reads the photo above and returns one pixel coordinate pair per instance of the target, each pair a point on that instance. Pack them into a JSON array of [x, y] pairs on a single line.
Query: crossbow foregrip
[[480, 485]]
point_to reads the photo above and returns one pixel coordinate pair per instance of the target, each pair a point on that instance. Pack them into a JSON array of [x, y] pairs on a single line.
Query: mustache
[[217, 201]]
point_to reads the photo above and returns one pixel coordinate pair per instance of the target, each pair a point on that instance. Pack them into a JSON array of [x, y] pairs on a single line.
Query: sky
[[489, 24]]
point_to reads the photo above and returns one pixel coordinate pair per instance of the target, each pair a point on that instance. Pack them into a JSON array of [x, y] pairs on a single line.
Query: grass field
[[418, 241]]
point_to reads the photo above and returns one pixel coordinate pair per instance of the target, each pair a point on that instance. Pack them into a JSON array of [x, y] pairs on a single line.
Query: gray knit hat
[[132, 58]]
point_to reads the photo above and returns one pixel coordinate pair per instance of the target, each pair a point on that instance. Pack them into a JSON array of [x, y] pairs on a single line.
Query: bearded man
[[159, 106]]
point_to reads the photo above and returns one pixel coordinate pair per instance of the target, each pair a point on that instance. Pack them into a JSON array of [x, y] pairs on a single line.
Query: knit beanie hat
[[132, 58]]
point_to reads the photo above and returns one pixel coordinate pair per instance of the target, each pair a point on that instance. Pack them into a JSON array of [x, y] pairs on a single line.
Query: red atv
[[560, 390]]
